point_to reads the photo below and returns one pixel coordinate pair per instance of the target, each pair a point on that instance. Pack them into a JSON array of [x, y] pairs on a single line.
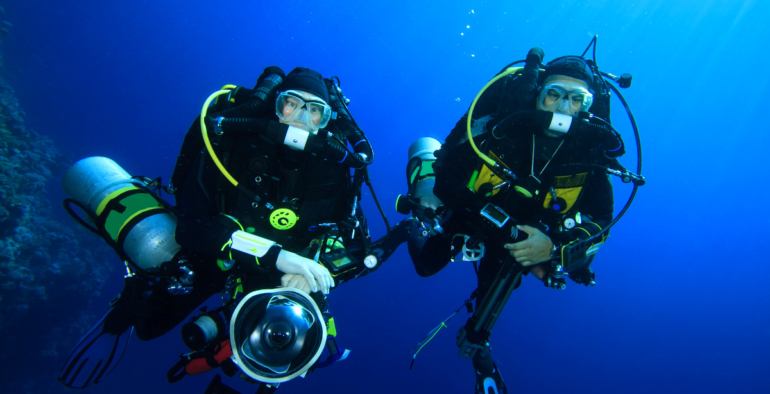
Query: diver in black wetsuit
[[522, 187], [265, 200]]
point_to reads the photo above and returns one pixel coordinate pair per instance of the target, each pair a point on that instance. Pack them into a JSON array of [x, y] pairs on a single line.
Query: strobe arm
[[474, 335]]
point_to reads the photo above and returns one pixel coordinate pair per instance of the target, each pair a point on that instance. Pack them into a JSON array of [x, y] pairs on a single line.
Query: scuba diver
[[267, 215], [521, 185]]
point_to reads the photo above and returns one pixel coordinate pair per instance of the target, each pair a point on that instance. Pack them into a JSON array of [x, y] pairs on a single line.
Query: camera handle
[[474, 335]]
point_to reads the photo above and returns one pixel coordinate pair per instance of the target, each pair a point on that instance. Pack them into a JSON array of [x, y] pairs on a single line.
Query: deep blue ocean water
[[682, 302]]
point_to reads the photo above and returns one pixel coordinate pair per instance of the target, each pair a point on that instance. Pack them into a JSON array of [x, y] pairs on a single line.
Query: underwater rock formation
[[49, 270]]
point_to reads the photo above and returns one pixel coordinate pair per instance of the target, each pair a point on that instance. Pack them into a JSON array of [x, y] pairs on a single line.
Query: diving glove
[[316, 275], [100, 350], [296, 281]]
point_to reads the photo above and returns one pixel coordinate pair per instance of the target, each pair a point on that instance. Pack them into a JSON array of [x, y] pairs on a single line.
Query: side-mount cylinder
[[128, 216]]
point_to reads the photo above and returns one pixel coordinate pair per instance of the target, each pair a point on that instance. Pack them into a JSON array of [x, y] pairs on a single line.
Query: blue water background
[[682, 302]]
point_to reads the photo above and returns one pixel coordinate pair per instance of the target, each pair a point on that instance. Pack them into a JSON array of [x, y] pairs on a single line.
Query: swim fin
[[100, 350], [488, 378]]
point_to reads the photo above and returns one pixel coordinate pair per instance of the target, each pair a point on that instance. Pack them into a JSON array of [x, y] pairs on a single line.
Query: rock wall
[[50, 270]]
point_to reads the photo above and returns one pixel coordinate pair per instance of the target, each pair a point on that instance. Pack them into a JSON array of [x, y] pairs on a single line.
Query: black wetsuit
[[563, 166], [569, 169], [319, 191]]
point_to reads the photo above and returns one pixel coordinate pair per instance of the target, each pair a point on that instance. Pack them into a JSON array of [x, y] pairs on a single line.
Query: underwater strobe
[[124, 212], [277, 334]]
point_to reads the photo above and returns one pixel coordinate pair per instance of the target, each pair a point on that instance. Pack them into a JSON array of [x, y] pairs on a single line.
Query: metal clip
[[176, 288], [129, 272]]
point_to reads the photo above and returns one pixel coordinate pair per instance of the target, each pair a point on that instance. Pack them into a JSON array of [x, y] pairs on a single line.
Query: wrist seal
[[265, 250]]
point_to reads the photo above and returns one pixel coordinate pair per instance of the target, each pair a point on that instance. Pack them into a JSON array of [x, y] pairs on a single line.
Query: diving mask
[[565, 97], [302, 110]]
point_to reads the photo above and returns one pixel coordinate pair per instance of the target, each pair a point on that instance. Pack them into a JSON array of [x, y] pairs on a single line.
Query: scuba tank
[[419, 168], [119, 208], [420, 176]]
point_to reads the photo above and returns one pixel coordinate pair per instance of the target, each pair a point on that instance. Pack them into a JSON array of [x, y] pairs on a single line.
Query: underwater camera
[[277, 334]]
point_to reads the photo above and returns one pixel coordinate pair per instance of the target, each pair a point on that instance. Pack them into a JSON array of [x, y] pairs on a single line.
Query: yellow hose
[[206, 136], [484, 157]]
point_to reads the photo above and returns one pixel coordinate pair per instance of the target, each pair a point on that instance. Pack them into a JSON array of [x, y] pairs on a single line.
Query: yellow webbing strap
[[135, 215], [331, 328], [111, 197]]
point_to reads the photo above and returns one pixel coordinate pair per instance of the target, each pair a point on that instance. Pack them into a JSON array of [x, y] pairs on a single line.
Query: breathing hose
[[484, 157], [206, 140]]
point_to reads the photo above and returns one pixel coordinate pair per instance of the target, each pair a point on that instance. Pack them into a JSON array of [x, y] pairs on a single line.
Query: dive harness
[[606, 133], [236, 120]]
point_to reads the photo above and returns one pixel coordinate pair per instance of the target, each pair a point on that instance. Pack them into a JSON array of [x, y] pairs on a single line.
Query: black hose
[[608, 136], [267, 86], [528, 87], [604, 133], [520, 118], [327, 148], [638, 168], [509, 66], [634, 127], [360, 144], [638, 163], [355, 136], [66, 203], [543, 119], [339, 153], [261, 95], [622, 211], [368, 181], [593, 42], [249, 108], [240, 125], [352, 131]]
